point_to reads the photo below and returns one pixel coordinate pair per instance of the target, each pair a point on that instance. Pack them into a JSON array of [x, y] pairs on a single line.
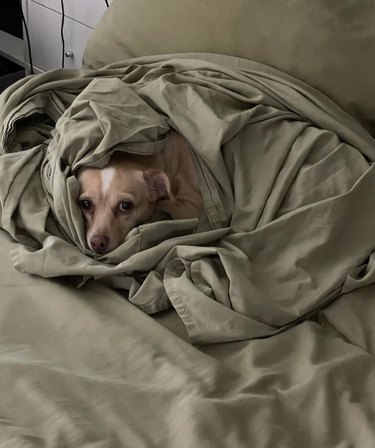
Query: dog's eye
[[85, 204], [126, 206]]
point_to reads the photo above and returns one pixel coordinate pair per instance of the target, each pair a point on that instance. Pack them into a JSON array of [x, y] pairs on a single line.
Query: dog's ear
[[158, 185]]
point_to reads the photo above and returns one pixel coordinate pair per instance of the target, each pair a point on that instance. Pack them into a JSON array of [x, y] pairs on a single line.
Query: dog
[[126, 192]]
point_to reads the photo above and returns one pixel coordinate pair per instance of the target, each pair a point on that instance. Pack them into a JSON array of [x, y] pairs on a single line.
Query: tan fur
[[167, 181]]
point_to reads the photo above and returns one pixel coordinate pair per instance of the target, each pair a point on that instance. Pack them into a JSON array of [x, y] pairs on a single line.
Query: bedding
[[328, 44], [86, 368], [250, 327], [281, 168]]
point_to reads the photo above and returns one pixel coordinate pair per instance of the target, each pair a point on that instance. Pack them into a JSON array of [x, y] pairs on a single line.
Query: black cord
[[28, 39], [62, 34], [106, 2]]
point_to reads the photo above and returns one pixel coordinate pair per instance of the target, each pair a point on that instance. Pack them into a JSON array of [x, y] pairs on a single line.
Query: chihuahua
[[126, 192]]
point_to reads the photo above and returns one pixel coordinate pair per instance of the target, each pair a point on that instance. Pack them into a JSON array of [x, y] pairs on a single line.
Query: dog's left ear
[[158, 185]]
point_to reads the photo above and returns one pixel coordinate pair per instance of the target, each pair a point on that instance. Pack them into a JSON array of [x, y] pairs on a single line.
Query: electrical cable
[[62, 33], [27, 39], [106, 2]]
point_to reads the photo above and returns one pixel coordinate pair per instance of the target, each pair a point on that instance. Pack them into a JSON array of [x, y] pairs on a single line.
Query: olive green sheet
[[286, 176], [261, 329], [86, 368]]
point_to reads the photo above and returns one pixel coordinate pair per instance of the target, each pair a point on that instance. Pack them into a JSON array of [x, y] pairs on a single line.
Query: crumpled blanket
[[287, 179]]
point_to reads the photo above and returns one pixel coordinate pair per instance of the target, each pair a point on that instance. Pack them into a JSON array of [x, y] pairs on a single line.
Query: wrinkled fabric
[[286, 177], [86, 368]]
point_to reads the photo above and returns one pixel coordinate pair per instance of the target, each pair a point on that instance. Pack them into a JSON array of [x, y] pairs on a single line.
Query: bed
[[252, 326]]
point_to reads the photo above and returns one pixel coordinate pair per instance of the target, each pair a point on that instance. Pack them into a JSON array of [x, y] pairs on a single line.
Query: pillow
[[328, 44]]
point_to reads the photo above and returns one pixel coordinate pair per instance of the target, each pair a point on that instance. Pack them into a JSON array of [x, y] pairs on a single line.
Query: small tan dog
[[125, 193]]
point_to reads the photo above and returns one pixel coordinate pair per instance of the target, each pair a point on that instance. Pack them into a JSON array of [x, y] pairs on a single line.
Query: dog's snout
[[99, 244]]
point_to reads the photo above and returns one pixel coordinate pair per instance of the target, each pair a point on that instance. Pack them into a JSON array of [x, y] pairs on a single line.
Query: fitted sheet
[[87, 368]]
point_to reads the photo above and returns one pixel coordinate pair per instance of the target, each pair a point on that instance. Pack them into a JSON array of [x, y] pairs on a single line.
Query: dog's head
[[117, 198]]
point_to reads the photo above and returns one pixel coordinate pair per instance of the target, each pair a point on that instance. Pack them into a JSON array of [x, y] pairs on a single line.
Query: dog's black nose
[[99, 244]]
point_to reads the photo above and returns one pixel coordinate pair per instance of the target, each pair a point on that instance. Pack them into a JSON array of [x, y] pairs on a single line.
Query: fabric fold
[[286, 176]]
